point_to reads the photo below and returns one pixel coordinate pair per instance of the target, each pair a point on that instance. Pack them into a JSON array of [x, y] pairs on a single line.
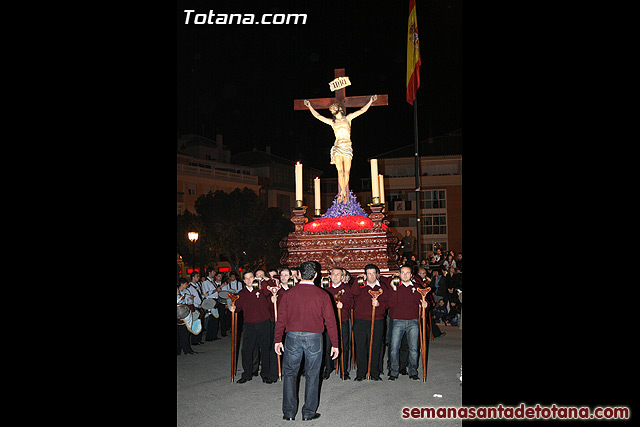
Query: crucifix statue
[[341, 152]]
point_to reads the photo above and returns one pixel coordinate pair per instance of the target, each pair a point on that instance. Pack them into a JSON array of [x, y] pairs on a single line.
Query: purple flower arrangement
[[351, 208]]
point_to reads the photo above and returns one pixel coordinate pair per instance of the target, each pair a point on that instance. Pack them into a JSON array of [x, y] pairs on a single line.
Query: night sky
[[241, 80]]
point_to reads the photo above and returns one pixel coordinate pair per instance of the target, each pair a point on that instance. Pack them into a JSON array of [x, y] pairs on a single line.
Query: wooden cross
[[340, 99]]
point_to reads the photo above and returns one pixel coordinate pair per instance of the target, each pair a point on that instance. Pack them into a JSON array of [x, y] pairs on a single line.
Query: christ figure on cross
[[341, 152]]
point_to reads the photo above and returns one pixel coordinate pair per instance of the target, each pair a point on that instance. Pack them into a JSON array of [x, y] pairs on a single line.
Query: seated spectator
[[440, 312], [454, 313]]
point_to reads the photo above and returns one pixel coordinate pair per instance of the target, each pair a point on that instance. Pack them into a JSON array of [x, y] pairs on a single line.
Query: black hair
[[372, 267], [307, 270], [181, 281]]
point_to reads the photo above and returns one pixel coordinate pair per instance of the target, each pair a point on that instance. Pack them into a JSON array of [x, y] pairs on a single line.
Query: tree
[[237, 226]]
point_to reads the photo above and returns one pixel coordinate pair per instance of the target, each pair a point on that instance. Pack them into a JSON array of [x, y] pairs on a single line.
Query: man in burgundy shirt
[[363, 306], [304, 313], [404, 309], [256, 331], [336, 286]]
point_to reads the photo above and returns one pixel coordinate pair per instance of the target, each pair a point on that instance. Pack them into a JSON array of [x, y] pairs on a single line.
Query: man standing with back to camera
[[304, 313]]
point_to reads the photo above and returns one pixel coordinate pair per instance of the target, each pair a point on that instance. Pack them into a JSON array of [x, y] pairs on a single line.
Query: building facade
[[440, 209], [203, 165]]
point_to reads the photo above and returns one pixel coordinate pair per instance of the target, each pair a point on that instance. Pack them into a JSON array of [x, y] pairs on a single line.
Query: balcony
[[216, 173]]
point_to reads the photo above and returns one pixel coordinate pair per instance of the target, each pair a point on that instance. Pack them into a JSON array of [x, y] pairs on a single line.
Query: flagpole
[[413, 83], [417, 173]]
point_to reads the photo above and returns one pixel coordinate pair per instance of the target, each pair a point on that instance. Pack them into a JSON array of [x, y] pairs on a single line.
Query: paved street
[[207, 397]]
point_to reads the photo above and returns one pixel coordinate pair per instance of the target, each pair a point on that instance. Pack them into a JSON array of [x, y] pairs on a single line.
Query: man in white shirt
[[193, 288], [211, 286]]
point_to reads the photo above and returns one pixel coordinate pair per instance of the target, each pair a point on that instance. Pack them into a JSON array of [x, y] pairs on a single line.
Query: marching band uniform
[[362, 325], [234, 287], [209, 291], [347, 304], [257, 324], [184, 297], [194, 290]]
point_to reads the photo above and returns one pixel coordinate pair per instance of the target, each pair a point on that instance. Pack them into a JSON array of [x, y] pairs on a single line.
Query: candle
[[381, 184], [317, 191], [298, 181], [374, 180]]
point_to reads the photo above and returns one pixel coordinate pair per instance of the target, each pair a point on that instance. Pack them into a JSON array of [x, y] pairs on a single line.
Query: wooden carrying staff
[[234, 334], [374, 297], [423, 327], [338, 297], [274, 291]]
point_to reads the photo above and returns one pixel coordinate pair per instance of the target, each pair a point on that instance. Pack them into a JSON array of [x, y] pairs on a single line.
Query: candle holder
[[376, 201], [376, 213], [299, 219], [317, 214]]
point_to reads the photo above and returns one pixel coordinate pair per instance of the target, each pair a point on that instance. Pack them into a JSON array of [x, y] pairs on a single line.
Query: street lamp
[[193, 236]]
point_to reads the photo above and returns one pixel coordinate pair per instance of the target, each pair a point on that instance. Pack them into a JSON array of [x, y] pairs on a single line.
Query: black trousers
[[330, 365], [362, 337], [183, 340], [212, 327], [258, 335], [224, 319]]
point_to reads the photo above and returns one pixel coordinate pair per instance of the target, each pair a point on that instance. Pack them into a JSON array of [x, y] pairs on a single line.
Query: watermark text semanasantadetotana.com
[[522, 412], [243, 18]]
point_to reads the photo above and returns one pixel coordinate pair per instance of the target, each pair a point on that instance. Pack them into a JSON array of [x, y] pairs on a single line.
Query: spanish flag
[[413, 54]]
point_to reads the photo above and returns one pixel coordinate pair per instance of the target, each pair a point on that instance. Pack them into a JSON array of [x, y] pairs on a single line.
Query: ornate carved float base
[[349, 249]]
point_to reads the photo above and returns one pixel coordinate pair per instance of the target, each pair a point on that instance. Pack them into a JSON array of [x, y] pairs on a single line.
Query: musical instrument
[[210, 304], [291, 282], [189, 318], [374, 297], [183, 311], [360, 279], [222, 297]]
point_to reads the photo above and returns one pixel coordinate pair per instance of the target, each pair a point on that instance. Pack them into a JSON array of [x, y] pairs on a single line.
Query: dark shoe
[[376, 378], [414, 377], [317, 415], [358, 379], [403, 371], [441, 335], [243, 380], [392, 378], [284, 417], [267, 380], [346, 376], [326, 375], [224, 335]]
